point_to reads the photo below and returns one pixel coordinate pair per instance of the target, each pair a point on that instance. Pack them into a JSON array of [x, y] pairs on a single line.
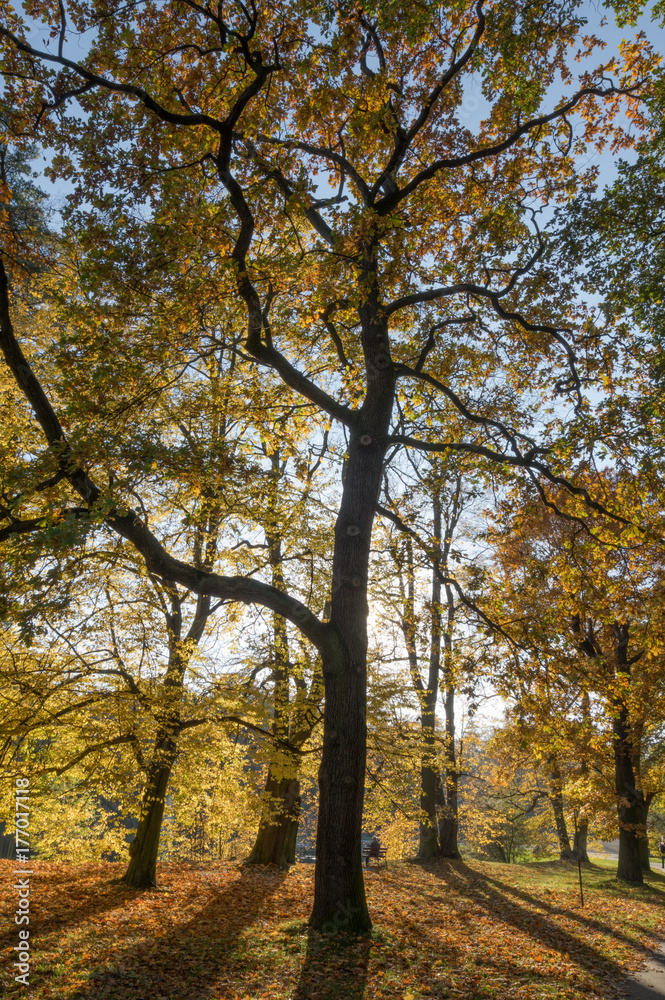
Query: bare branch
[[443, 577]]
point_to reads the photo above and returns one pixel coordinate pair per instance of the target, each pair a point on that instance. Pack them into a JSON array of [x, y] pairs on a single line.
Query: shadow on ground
[[335, 967], [189, 959], [76, 904], [639, 992], [509, 904]]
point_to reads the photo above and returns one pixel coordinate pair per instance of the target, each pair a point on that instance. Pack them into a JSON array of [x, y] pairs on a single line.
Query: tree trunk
[[276, 838], [339, 890], [631, 819], [555, 796], [428, 844], [143, 850], [428, 840], [581, 835], [580, 842], [448, 828], [636, 734], [495, 851], [448, 818], [275, 842], [631, 805], [437, 835], [142, 870]]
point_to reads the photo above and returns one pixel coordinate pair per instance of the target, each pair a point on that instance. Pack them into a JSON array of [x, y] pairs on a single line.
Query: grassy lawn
[[469, 930]]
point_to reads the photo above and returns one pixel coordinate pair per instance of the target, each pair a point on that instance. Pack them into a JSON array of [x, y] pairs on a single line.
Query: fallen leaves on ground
[[442, 931]]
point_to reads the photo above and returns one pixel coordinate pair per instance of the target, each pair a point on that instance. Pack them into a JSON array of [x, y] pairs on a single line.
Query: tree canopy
[[290, 250]]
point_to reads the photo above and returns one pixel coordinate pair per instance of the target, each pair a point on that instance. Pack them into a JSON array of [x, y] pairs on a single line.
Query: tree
[[194, 497], [584, 607], [226, 124], [541, 736], [503, 815], [294, 716], [436, 484]]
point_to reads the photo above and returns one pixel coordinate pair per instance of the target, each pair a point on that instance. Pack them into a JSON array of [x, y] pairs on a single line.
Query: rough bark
[[632, 819], [143, 850], [555, 796], [632, 807], [580, 840], [339, 891], [428, 842], [340, 902], [637, 732], [278, 829], [448, 829]]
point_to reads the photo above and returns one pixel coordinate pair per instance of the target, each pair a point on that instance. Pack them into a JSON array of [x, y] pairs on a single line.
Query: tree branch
[[390, 201], [508, 433], [127, 523], [403, 143], [443, 577]]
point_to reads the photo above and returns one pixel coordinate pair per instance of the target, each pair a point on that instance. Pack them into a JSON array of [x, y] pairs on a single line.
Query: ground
[[453, 930]]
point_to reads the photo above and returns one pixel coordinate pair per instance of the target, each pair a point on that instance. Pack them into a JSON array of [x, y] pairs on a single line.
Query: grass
[[442, 931]]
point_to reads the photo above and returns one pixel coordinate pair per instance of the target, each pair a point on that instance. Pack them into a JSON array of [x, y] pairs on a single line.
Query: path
[[649, 984]]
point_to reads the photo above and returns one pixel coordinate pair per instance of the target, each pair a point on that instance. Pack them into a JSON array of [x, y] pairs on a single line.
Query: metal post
[[579, 863]]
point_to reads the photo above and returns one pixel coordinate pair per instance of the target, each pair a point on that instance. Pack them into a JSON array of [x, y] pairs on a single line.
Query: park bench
[[381, 857]]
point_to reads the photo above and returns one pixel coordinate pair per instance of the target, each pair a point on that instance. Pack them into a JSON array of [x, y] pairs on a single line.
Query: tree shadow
[[652, 875], [335, 967], [495, 897], [75, 902], [636, 991], [197, 950], [589, 923]]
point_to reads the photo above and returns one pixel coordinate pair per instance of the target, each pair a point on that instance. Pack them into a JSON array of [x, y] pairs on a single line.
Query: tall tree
[[312, 161], [191, 439], [435, 484], [295, 714]]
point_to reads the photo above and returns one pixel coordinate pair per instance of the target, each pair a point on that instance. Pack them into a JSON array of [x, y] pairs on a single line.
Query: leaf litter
[[442, 931]]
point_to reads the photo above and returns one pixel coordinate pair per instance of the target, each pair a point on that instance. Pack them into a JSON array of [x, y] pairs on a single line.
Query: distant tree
[[586, 611]]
